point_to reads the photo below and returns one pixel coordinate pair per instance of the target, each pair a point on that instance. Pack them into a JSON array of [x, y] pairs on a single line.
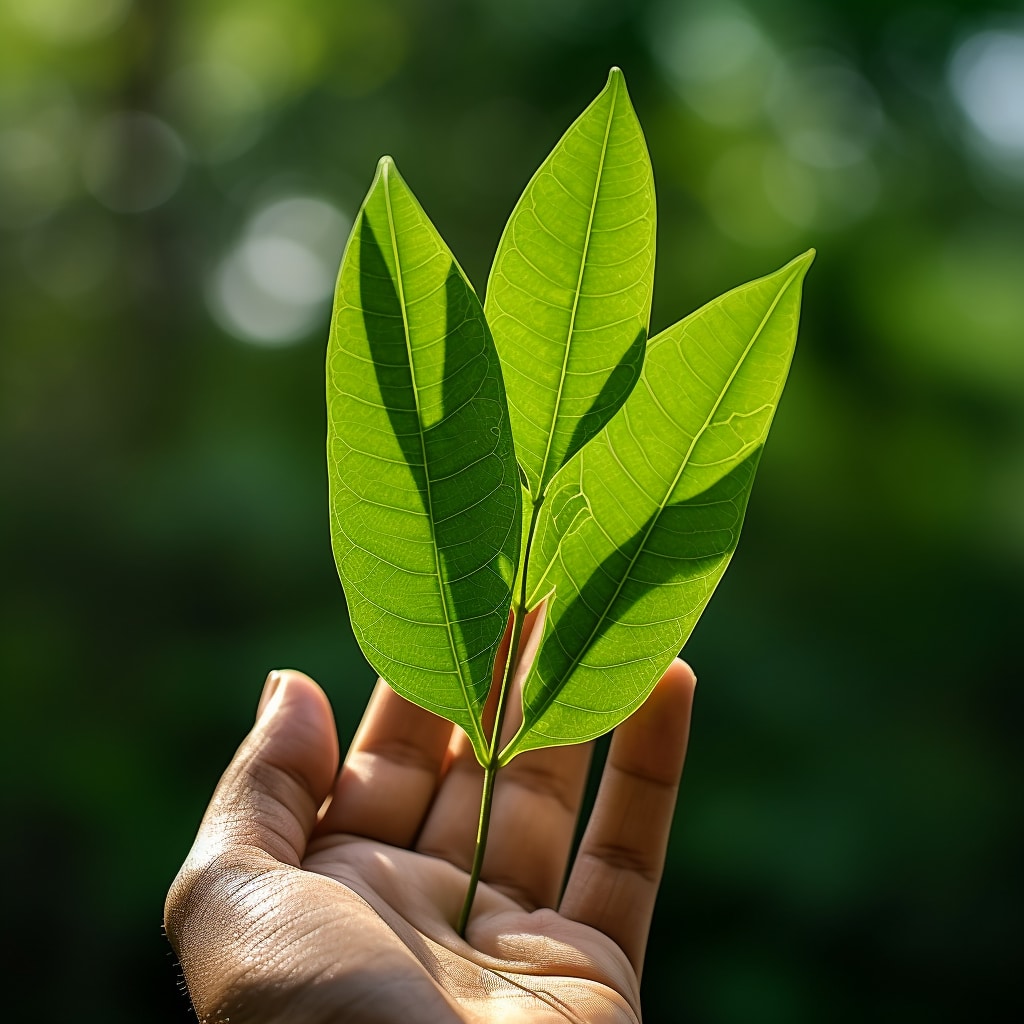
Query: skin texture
[[318, 895]]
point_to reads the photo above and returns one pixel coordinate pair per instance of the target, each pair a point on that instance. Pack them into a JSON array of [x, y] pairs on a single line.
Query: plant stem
[[481, 845], [491, 768], [490, 773]]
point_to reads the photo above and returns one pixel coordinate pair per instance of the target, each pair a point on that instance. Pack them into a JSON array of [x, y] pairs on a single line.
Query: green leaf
[[569, 295], [641, 524], [424, 488]]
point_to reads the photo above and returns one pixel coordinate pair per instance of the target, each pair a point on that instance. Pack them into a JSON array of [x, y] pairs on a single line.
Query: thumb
[[259, 820], [269, 796]]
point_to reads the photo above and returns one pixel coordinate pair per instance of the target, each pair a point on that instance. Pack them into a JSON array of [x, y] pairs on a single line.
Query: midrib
[[423, 450], [579, 290]]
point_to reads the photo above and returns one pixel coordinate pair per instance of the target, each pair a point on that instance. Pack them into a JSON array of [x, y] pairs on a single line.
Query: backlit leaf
[[569, 295], [640, 525], [424, 488]]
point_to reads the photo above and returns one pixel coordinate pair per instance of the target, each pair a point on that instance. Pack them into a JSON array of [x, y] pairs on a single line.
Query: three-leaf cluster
[[485, 458]]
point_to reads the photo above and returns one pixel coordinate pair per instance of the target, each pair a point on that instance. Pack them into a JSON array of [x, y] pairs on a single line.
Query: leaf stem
[[491, 768], [481, 845], [486, 798]]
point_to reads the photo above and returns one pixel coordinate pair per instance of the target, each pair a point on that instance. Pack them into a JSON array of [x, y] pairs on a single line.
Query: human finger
[[614, 881], [269, 795], [390, 772], [450, 825], [265, 805], [537, 800]]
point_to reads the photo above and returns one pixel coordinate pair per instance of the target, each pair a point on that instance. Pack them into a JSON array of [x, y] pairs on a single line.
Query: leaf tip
[[615, 76], [801, 264], [385, 165]]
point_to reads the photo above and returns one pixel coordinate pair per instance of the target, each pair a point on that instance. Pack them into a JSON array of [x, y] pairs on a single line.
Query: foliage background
[[176, 185]]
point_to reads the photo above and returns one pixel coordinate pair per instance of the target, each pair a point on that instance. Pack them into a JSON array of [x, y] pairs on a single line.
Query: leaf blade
[[424, 489], [644, 520], [569, 294]]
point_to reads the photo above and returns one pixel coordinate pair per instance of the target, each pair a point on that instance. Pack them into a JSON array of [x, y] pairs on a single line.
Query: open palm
[[316, 895]]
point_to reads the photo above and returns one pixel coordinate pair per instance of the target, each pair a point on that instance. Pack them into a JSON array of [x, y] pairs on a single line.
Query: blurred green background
[[177, 180]]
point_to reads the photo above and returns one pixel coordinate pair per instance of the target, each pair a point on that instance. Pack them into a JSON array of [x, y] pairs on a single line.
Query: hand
[[313, 896]]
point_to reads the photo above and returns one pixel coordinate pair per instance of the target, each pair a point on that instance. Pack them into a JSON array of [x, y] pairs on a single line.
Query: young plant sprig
[[539, 449]]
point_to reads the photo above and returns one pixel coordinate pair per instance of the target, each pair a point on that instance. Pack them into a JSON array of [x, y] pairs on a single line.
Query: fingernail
[[269, 689]]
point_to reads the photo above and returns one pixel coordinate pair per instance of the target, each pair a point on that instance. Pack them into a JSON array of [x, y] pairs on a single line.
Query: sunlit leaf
[[569, 295], [424, 489], [567, 468], [642, 523]]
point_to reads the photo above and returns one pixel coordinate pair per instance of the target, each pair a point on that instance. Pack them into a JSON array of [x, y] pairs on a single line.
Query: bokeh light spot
[[274, 284], [69, 22], [217, 107], [986, 74], [286, 271], [848, 193], [826, 112], [265, 44], [34, 179], [133, 162], [38, 149], [791, 188], [717, 57]]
